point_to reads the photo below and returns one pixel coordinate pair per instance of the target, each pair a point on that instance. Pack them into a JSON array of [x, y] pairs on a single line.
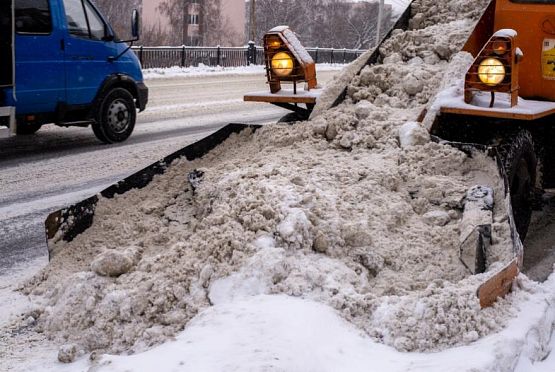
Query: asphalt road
[[60, 166]]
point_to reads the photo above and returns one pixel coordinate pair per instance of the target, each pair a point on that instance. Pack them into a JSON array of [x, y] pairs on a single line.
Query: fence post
[[251, 53], [332, 59], [141, 55], [344, 55], [218, 56], [316, 56], [183, 56]]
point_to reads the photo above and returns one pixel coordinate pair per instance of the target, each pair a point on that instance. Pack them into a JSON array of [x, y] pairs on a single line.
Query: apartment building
[[194, 26]]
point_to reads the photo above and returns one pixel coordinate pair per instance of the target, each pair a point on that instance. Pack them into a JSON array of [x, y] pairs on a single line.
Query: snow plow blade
[[66, 224], [476, 233]]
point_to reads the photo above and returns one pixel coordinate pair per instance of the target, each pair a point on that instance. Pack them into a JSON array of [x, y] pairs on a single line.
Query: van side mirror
[[135, 25]]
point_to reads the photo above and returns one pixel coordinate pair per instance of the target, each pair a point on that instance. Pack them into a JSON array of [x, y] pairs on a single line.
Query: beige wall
[[151, 16], [235, 11]]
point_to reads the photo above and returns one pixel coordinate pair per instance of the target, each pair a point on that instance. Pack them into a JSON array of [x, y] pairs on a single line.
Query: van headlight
[[491, 72]]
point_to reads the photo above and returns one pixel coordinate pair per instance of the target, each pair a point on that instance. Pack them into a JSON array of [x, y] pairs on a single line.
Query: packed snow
[[282, 333], [327, 245]]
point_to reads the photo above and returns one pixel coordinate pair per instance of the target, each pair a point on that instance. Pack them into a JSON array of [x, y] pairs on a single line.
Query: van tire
[[115, 117], [27, 129]]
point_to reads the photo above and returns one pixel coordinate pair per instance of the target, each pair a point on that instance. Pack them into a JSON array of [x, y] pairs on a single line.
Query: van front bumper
[[142, 96]]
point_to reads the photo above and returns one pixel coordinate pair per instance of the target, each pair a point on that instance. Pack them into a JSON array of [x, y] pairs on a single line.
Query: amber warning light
[[495, 70], [287, 60]]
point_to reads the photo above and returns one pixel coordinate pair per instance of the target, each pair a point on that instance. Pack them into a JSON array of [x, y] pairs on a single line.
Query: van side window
[[83, 20], [76, 20], [32, 17]]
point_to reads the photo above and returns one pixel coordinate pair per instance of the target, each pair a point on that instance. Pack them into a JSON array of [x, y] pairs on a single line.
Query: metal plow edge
[[67, 223]]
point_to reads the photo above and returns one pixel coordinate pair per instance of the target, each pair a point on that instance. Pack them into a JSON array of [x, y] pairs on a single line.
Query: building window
[[193, 19]]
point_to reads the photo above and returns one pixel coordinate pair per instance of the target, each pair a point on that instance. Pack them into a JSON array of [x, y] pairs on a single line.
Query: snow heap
[[333, 210]]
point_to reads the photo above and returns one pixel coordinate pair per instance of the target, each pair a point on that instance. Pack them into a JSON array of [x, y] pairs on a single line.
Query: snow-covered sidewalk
[[202, 70]]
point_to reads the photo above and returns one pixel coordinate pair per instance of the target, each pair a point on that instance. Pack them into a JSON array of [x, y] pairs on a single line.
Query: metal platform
[[284, 96], [526, 110], [288, 99]]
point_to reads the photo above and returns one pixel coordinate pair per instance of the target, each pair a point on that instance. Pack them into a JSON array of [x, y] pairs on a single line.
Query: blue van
[[62, 63]]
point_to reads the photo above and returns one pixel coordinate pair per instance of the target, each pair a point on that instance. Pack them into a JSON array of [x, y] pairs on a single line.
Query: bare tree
[[214, 25], [323, 23], [118, 13], [154, 35], [363, 25], [271, 13], [174, 10]]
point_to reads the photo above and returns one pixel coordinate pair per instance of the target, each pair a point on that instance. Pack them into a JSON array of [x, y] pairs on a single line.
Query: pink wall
[[234, 9], [151, 16]]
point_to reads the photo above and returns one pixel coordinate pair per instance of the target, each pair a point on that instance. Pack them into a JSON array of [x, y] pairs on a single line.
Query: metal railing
[[185, 56]]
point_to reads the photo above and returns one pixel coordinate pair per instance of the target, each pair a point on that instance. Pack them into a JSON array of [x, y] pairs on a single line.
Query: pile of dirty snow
[[333, 211]]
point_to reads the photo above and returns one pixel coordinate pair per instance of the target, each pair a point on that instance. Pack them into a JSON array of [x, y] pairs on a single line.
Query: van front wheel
[[115, 119]]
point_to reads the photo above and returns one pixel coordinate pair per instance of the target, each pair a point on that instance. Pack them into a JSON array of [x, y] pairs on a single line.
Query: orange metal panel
[[493, 113], [535, 24], [482, 32], [499, 285]]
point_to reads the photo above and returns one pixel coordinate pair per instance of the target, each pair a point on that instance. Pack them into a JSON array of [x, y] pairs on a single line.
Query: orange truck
[[509, 96], [509, 105]]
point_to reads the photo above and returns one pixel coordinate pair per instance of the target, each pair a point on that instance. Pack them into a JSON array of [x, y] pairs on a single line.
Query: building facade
[[192, 34], [196, 25]]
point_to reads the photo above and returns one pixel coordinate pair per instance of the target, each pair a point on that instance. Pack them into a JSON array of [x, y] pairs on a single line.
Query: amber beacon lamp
[[287, 60], [495, 70]]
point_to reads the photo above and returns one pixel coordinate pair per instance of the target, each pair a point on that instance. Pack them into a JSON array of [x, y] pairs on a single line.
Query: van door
[[40, 78], [87, 51], [6, 40]]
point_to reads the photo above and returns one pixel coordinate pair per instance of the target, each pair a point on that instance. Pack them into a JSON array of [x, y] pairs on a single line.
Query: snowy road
[[59, 166]]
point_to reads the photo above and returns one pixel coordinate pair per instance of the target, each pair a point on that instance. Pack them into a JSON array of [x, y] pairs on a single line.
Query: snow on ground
[[202, 70], [280, 333], [267, 263], [14, 303]]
